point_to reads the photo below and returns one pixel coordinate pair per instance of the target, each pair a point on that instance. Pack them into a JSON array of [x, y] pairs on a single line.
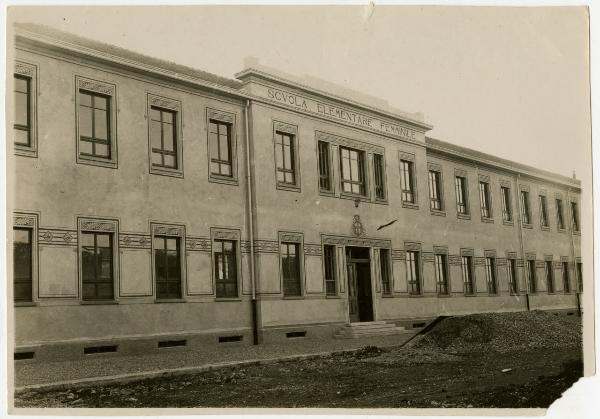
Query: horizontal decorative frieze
[[454, 260], [479, 261], [96, 86], [164, 102], [398, 254], [427, 256], [266, 246], [24, 220], [166, 230], [90, 225], [540, 264], [520, 263], [134, 241], [220, 116], [25, 69], [501, 262], [312, 249], [57, 237], [285, 127], [199, 244], [356, 241]]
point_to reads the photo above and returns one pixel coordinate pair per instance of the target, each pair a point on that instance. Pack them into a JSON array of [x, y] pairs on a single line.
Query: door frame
[[372, 273]]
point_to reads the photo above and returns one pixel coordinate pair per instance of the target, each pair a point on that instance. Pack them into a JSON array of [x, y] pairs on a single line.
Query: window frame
[[29, 71], [99, 225], [543, 207], [579, 273], [485, 199], [296, 238], [414, 248], [362, 172], [168, 105], [549, 275], [464, 189], [330, 274], [325, 164], [436, 169], [525, 207], [386, 272], [169, 231], [284, 128], [575, 219], [506, 203], [565, 275], [512, 275], [109, 91], [219, 234], [229, 119], [443, 254], [382, 170], [467, 260], [408, 160], [23, 220], [491, 272], [560, 213], [532, 285]]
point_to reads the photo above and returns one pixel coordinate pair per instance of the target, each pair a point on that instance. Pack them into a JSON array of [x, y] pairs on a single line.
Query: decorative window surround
[[109, 90], [233, 235], [437, 168], [488, 204], [298, 239], [29, 71], [175, 106], [30, 221], [409, 157], [169, 230], [459, 173], [291, 130], [99, 225], [230, 119], [525, 188]]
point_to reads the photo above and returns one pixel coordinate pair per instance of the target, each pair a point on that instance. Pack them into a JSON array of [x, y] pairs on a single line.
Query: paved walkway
[[173, 360]]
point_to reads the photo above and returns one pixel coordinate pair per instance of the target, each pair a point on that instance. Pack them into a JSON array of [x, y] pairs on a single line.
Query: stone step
[[379, 328], [350, 335]]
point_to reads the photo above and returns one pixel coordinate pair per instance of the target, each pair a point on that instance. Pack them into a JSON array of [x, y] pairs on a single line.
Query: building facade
[[157, 203]]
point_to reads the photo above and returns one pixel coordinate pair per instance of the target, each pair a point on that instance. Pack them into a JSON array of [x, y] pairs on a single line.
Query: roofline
[[281, 80], [499, 163]]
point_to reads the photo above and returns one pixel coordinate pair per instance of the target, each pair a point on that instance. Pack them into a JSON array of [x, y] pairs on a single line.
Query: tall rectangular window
[[512, 276], [414, 272], [167, 266], [97, 266], [549, 276], [163, 137], [22, 123], [467, 274], [506, 204], [565, 277], [379, 176], [484, 199], [384, 259], [22, 264], [407, 182], [531, 276], [435, 191], [219, 140], [441, 274], [575, 216], [460, 184], [284, 158], [490, 274], [579, 267], [525, 212], [543, 211], [353, 171], [330, 271], [94, 125], [290, 269], [324, 167], [226, 269], [560, 220]]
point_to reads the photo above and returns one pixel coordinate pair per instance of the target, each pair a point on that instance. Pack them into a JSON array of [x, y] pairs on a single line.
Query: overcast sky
[[507, 81]]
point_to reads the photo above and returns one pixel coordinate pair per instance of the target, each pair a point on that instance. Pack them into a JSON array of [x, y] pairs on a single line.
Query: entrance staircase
[[363, 329]]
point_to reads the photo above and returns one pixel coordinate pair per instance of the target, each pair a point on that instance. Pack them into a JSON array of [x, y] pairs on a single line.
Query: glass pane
[[87, 239], [22, 291], [105, 290], [345, 167], [228, 246], [21, 136], [155, 114], [105, 269], [21, 84], [88, 268], [168, 142], [102, 150], [280, 177], [157, 159], [224, 147], [279, 156], [213, 145], [85, 99], [172, 244], [287, 157], [85, 147], [354, 169], [85, 122], [213, 128], [225, 169], [88, 290], [214, 168], [167, 117], [155, 134], [21, 111], [159, 243], [170, 161], [289, 177], [100, 102]]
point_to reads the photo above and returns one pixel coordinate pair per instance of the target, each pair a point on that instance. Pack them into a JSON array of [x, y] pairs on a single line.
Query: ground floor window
[[512, 276], [386, 283], [290, 269], [167, 266], [22, 264], [97, 266], [330, 276], [225, 269], [490, 274], [549, 277], [531, 277], [414, 272], [467, 274], [441, 274], [580, 276], [565, 277]]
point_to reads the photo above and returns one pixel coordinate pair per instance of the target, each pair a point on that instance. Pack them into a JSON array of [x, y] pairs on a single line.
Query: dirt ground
[[460, 363]]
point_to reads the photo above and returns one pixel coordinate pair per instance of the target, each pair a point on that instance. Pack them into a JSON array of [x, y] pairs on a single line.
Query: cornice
[[249, 73]]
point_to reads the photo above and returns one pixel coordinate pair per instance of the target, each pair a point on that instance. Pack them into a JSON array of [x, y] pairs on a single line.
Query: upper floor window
[[94, 125], [560, 221], [549, 276], [414, 272], [22, 264], [325, 183], [290, 269], [484, 199], [460, 184], [97, 265], [22, 124], [163, 137], [543, 211], [407, 181], [441, 273], [24, 121], [467, 275], [512, 276], [352, 163], [506, 204], [435, 191], [226, 268], [525, 211], [284, 157], [575, 216], [220, 147], [379, 176], [329, 261], [490, 274]]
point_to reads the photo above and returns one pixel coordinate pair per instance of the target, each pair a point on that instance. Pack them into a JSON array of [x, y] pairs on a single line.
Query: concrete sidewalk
[[108, 368]]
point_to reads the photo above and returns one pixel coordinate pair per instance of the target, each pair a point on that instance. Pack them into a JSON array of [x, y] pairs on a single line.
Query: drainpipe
[[251, 224], [577, 294], [527, 279]]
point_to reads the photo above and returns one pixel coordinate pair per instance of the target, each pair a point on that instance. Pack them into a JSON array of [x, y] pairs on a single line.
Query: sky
[[503, 80]]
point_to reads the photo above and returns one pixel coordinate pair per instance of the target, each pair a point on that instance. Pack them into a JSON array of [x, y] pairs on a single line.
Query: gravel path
[[105, 366]]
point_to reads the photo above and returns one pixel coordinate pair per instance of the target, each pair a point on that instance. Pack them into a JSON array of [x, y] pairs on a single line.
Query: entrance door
[[360, 298]]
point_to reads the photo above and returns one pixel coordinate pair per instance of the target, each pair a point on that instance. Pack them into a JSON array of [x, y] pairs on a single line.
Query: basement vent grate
[[223, 339], [99, 349], [171, 343], [570, 313], [23, 355], [418, 325], [300, 334]]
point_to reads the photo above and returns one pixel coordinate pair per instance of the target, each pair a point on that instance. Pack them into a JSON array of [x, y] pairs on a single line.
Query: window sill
[[561, 230], [463, 216], [387, 295], [508, 223], [362, 198], [169, 300], [25, 151], [227, 180], [470, 295], [487, 220], [25, 304], [415, 295], [333, 297], [381, 201], [227, 299], [439, 213], [545, 228], [293, 297], [410, 205], [577, 233], [163, 171], [98, 302], [444, 295], [327, 193], [97, 161], [288, 187], [524, 225]]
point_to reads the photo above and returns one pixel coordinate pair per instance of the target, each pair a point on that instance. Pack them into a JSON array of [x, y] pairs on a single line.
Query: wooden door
[[352, 293]]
